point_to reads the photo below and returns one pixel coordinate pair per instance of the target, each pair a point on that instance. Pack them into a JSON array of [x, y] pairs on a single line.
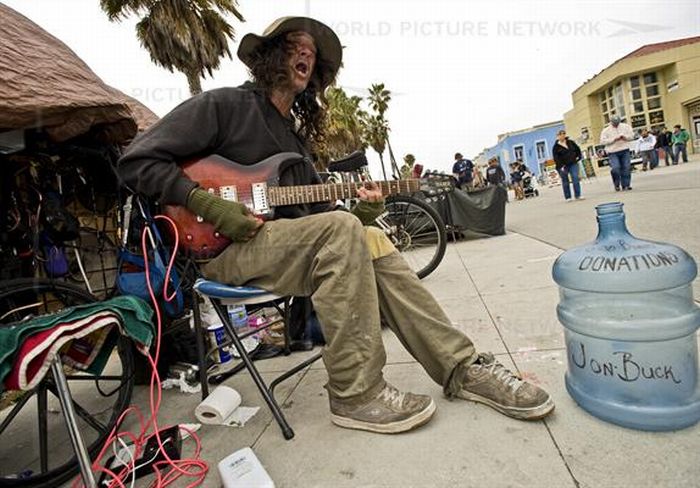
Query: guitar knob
[[217, 235], [189, 237], [199, 219]]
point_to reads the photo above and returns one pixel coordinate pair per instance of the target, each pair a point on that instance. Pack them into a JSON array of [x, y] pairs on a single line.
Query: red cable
[[191, 467]]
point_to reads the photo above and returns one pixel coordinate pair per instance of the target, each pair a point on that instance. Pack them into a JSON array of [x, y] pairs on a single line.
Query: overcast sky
[[462, 72]]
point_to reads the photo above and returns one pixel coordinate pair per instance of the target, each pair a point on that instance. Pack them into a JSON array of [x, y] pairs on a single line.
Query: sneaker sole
[[531, 413], [405, 425]]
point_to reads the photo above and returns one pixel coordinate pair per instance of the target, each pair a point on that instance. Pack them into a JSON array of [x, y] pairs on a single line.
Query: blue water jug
[[630, 327]]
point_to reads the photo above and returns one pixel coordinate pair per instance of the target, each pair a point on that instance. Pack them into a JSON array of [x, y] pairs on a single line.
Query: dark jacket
[[495, 175], [240, 124], [566, 156]]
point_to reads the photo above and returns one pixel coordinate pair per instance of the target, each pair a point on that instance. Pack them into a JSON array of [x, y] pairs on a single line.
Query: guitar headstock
[[434, 183]]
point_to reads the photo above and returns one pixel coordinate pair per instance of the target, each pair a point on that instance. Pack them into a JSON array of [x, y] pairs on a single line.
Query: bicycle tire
[[76, 295], [399, 208]]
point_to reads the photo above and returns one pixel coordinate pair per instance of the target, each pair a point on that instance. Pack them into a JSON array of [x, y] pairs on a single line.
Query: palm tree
[[345, 125], [376, 134], [190, 36], [379, 98]]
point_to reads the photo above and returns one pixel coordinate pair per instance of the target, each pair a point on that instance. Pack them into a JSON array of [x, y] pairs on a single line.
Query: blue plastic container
[[630, 326]]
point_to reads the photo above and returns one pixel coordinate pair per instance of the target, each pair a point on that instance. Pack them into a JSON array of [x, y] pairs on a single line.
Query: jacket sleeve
[[556, 154], [149, 165], [577, 151]]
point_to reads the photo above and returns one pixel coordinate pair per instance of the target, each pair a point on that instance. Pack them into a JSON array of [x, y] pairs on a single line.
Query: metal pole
[[69, 416]]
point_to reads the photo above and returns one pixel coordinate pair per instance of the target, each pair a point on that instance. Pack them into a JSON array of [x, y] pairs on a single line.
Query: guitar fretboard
[[295, 195]]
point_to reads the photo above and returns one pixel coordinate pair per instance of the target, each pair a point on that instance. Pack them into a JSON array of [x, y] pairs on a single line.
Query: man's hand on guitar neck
[[232, 219], [370, 204], [370, 192]]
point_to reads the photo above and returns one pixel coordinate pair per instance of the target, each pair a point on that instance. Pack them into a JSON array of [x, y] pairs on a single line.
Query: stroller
[[530, 186]]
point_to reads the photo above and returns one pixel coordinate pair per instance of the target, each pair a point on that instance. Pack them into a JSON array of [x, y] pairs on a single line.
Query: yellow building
[[655, 86]]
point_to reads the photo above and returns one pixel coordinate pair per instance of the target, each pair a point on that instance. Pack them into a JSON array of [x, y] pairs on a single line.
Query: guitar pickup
[[260, 203], [228, 193]]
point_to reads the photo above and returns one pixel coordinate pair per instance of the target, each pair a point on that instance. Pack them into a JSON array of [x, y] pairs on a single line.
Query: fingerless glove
[[231, 219], [367, 212]]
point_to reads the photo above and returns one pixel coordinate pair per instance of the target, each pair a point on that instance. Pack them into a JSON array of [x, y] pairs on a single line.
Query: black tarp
[[478, 213]]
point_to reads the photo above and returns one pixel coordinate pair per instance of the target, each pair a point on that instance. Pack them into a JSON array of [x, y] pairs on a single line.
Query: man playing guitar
[[352, 272]]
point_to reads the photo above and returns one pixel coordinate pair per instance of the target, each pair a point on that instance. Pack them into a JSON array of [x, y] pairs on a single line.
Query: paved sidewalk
[[500, 292]]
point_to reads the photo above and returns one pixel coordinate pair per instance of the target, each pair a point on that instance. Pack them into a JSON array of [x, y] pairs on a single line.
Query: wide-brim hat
[[328, 45]]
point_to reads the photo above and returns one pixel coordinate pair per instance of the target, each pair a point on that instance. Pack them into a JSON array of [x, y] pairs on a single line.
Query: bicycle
[[98, 400], [412, 225]]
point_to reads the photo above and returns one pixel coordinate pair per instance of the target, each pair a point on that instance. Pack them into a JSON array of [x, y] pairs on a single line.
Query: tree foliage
[[190, 36]]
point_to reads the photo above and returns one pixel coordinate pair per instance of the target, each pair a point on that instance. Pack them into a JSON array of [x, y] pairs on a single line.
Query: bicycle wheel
[[417, 231], [34, 443]]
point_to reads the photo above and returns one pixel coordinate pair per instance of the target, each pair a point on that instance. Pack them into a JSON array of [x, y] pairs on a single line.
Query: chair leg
[[201, 348], [293, 371], [287, 431], [69, 416], [287, 316]]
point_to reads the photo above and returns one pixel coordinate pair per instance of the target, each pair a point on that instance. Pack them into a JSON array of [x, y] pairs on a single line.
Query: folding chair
[[221, 295]]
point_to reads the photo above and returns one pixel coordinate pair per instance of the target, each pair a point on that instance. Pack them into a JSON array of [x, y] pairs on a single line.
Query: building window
[[652, 91], [619, 101], [612, 102], [518, 153], [541, 147], [656, 117], [639, 121], [645, 98]]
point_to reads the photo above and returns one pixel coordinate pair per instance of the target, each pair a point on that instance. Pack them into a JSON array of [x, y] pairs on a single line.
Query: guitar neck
[[296, 195]]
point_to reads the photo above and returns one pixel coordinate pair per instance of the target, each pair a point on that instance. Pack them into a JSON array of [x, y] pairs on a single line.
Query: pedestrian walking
[[567, 154], [680, 140], [645, 148], [616, 137], [665, 138], [494, 173]]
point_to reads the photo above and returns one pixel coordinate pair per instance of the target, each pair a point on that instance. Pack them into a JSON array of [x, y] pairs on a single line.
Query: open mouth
[[302, 68]]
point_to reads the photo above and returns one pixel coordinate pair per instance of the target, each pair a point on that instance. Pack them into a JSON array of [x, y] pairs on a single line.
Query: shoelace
[[392, 396], [500, 372]]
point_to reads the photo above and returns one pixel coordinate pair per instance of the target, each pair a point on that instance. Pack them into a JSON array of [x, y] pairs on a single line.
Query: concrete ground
[[500, 292]]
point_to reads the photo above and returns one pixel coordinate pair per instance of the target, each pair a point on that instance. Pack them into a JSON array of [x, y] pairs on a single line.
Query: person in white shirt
[[645, 148], [616, 137]]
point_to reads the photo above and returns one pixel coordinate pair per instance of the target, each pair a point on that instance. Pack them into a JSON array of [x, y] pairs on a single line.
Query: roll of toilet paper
[[218, 407]]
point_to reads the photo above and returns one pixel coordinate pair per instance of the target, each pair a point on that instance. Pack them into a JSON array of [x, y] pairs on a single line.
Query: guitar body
[[231, 181], [258, 188]]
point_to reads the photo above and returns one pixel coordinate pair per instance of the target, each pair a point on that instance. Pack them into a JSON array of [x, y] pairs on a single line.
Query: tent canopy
[[45, 84]]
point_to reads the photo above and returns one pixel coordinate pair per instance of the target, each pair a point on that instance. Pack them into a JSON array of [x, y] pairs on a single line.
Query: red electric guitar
[[258, 188]]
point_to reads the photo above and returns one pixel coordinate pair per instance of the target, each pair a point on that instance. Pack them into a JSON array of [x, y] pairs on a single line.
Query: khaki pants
[[327, 256]]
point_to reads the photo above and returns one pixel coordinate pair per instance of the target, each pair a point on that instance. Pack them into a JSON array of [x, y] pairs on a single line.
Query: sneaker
[[580, 198], [488, 381], [568, 200], [627, 188], [390, 412], [617, 188]]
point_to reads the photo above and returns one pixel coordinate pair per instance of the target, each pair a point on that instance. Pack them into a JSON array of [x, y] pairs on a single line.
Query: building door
[[694, 129]]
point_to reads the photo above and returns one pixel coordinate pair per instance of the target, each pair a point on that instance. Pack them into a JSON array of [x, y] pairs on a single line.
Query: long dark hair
[[269, 70]]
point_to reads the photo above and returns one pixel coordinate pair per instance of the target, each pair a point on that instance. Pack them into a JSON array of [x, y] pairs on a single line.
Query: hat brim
[[327, 43]]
